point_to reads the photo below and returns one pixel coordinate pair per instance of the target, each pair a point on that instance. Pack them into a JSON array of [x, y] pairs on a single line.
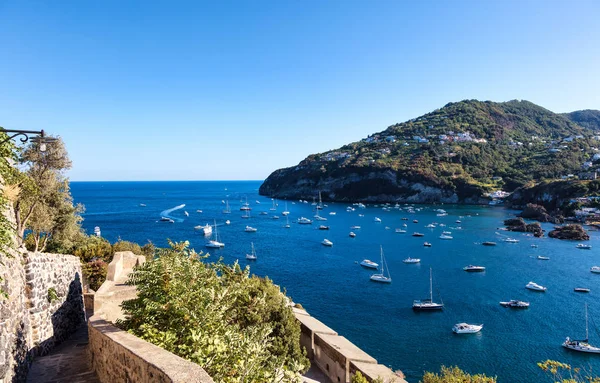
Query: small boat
[[304, 221], [323, 227], [431, 226], [354, 227], [285, 212], [377, 219], [465, 328], [581, 290], [488, 243], [411, 260], [415, 221], [206, 230], [264, 213], [583, 246], [186, 213], [250, 229], [227, 210], [332, 213], [142, 205], [428, 304], [514, 303], [404, 219], [257, 202], [352, 235], [595, 269], [415, 234], [369, 264], [458, 221], [287, 223], [252, 255], [228, 222], [447, 232], [327, 242], [534, 245], [165, 219], [472, 268], [582, 345], [170, 220], [542, 258], [400, 231], [535, 287], [198, 211], [511, 240], [274, 207], [275, 217], [427, 244], [443, 236], [381, 277]]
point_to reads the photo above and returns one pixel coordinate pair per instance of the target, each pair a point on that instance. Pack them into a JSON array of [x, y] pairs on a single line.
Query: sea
[[378, 318]]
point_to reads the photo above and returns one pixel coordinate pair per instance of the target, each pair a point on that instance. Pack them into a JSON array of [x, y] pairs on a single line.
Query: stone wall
[[119, 357], [44, 306]]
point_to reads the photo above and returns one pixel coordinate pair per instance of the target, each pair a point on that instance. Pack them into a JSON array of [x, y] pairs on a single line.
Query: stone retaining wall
[[119, 357]]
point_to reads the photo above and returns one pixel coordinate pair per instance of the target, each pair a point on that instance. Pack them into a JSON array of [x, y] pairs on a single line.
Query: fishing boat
[[411, 260], [581, 290], [206, 230], [327, 242], [488, 243], [582, 345], [426, 244], [542, 258], [214, 243], [465, 328], [415, 234], [227, 210], [352, 234], [250, 229], [535, 287], [595, 269], [304, 221], [369, 264], [516, 304], [474, 269], [381, 277], [252, 255], [583, 246], [428, 304]]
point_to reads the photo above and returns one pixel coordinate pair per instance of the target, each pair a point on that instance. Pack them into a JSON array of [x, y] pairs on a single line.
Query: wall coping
[[175, 368], [345, 348], [315, 325]]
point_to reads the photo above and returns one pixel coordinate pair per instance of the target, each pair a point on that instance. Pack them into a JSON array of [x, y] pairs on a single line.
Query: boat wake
[[165, 213]]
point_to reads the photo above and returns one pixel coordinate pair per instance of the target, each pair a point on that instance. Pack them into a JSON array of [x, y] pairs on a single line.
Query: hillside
[[586, 118], [453, 154]]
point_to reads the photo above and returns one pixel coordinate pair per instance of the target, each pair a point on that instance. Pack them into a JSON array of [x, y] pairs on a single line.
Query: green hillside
[[586, 118], [453, 154]]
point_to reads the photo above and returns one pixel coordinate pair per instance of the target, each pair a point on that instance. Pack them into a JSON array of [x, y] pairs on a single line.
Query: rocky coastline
[[573, 232]]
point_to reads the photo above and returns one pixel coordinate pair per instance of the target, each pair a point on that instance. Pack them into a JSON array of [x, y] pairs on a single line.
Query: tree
[[564, 373], [207, 313], [455, 375]]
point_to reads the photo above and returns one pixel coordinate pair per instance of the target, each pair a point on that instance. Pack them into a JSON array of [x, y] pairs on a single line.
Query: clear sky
[[204, 90]]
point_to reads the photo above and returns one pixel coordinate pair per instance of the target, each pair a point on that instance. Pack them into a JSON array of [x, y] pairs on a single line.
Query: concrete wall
[[119, 357], [30, 323]]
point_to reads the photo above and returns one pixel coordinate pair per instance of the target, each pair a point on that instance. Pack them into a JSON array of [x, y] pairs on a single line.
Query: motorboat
[[427, 244], [250, 229], [583, 246], [198, 211], [228, 222], [581, 290], [415, 221], [431, 226], [304, 221], [275, 217], [400, 231], [488, 243], [582, 345], [595, 269], [369, 264], [142, 205], [252, 255], [465, 328], [428, 304], [472, 268], [443, 236], [355, 227], [323, 227], [446, 232], [332, 213], [514, 303], [511, 240], [327, 242], [206, 230], [534, 245], [352, 234], [415, 234], [165, 219], [458, 221], [542, 258], [264, 213], [535, 287], [411, 260], [377, 219], [381, 276]]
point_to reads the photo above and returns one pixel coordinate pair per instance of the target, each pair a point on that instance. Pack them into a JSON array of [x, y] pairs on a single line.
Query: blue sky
[[199, 90]]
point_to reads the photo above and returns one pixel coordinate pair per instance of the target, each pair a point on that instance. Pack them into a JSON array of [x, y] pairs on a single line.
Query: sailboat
[[251, 256], [285, 212], [428, 303], [582, 345], [287, 222], [227, 209], [246, 214], [320, 204], [214, 243], [246, 205], [274, 207], [381, 276]]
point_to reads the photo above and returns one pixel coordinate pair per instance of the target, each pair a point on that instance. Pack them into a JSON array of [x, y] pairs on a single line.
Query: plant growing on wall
[[8, 156], [52, 295], [237, 327]]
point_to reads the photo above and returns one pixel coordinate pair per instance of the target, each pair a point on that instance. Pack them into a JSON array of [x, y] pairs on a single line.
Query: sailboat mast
[[382, 267], [430, 286], [586, 324]]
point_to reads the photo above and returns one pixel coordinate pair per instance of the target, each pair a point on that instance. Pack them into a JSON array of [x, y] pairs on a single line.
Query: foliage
[[8, 155], [92, 247], [359, 378], [587, 118], [564, 373], [95, 273], [52, 295], [121, 245], [455, 375], [214, 315], [149, 250]]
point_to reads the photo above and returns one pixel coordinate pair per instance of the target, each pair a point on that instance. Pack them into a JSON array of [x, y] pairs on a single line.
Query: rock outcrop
[[538, 213], [572, 231], [518, 224]]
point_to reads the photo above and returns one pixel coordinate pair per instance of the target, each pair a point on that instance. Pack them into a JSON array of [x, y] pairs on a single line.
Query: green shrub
[[92, 247], [95, 272], [52, 295], [121, 245], [455, 375]]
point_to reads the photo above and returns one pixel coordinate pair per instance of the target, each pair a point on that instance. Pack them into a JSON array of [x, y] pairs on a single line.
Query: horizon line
[[71, 181]]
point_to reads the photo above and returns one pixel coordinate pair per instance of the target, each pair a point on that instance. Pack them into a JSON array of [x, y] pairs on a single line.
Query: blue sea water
[[378, 318]]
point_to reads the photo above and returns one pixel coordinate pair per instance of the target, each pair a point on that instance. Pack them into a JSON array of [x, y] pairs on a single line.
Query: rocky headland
[[519, 224], [572, 231]]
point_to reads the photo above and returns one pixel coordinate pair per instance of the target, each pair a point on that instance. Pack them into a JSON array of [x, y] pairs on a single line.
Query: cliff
[[455, 154]]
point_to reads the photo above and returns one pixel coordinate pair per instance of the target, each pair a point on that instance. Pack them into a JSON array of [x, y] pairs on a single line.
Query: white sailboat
[[246, 214], [381, 276], [428, 303], [285, 212], [287, 222], [246, 205], [582, 345], [251, 256], [214, 243], [227, 210], [320, 204]]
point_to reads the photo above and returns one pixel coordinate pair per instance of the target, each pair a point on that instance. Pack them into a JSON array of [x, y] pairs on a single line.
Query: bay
[[378, 318]]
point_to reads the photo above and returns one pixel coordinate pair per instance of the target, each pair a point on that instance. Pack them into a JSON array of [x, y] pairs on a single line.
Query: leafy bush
[[238, 328], [95, 272], [149, 250], [121, 245], [564, 373], [455, 375], [92, 248]]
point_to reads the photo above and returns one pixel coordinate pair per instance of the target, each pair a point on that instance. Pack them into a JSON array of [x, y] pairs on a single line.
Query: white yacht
[[252, 255], [332, 213], [582, 345], [250, 229], [186, 213], [583, 246], [446, 232], [369, 264], [431, 226], [534, 286], [514, 303], [214, 243], [381, 277], [304, 221], [472, 268], [428, 304], [465, 328], [228, 222], [377, 219], [327, 242], [444, 236], [511, 240], [595, 269], [227, 210], [400, 231], [411, 260], [354, 227], [206, 230], [352, 234], [542, 258]]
